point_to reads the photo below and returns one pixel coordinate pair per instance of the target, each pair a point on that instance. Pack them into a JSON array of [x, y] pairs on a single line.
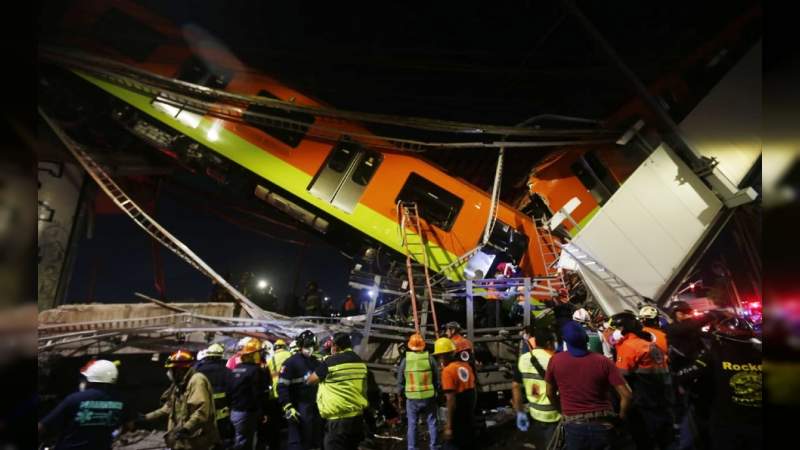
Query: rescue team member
[[685, 344], [418, 382], [213, 367], [453, 332], [585, 320], [275, 419], [342, 394], [734, 365], [529, 378], [298, 399], [578, 382], [644, 366], [86, 419], [648, 315], [458, 385], [188, 405], [248, 391]]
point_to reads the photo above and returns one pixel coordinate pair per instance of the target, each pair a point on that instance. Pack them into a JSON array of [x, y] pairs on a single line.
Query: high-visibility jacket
[[418, 376], [218, 375], [645, 368], [275, 363], [343, 391], [661, 339], [539, 405]]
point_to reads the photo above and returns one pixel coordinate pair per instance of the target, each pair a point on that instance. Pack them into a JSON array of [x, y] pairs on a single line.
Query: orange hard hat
[[462, 344], [416, 343], [181, 358], [251, 346]]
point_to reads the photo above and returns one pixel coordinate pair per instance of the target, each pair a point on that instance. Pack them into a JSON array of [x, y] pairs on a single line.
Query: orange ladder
[[415, 249]]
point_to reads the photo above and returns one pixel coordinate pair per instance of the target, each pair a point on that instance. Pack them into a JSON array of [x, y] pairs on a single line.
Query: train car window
[[601, 185], [288, 137], [340, 157], [509, 241], [197, 71], [126, 34], [367, 167], [601, 171], [437, 206]]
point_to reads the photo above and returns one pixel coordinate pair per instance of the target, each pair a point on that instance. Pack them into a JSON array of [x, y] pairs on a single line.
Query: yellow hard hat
[[251, 346], [443, 345], [215, 349], [280, 343]]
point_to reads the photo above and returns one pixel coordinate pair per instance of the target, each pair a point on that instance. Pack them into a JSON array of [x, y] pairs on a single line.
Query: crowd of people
[[629, 383], [635, 383]]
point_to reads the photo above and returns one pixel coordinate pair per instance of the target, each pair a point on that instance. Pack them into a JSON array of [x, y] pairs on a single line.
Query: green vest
[[418, 376], [275, 363], [343, 392], [536, 388]]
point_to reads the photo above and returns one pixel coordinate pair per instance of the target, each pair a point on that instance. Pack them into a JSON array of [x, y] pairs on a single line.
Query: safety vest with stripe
[[223, 410], [343, 392], [536, 388], [418, 376], [275, 363]]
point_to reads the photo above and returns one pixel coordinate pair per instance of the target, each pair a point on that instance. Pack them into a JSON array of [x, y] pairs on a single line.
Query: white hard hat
[[581, 316], [100, 371], [648, 312], [201, 355]]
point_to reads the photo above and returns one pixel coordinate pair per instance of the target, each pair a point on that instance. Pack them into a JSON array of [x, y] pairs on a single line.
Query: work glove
[[522, 421], [290, 413]]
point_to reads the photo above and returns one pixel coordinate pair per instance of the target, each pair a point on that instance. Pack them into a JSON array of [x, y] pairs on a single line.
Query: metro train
[[345, 190]]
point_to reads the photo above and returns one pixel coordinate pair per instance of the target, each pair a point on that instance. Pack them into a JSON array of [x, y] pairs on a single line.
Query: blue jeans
[[244, 425], [416, 408], [587, 436]]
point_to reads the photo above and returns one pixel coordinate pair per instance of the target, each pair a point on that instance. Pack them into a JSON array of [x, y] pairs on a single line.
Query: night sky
[[122, 254]]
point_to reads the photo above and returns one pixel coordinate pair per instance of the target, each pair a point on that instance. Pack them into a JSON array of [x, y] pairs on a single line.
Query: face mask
[[170, 376], [306, 351], [82, 386], [616, 336]]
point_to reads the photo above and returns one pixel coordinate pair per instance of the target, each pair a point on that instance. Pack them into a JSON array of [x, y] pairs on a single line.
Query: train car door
[[345, 175]]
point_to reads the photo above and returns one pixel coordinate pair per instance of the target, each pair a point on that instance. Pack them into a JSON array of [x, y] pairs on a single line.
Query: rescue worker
[[585, 320], [298, 399], [86, 419], [684, 340], [418, 382], [349, 307], [458, 385], [734, 365], [648, 315], [188, 405], [312, 300], [529, 378], [248, 392], [578, 382], [342, 394], [453, 332], [213, 367], [275, 419], [644, 366]]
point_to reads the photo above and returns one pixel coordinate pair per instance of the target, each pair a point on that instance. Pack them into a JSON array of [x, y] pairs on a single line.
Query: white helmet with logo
[[581, 316], [100, 371], [648, 312]]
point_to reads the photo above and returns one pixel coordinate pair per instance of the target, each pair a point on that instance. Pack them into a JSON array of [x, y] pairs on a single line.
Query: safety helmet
[[307, 339], [416, 342], [280, 343], [734, 328], [201, 355], [251, 346], [214, 350], [453, 325], [100, 371], [462, 345], [625, 322], [293, 346], [581, 316], [648, 312], [443, 345], [240, 345], [181, 359]]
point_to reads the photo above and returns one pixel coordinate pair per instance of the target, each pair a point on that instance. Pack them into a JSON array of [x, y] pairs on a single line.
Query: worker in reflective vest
[[275, 419], [418, 381], [213, 367], [342, 394], [529, 375], [644, 366]]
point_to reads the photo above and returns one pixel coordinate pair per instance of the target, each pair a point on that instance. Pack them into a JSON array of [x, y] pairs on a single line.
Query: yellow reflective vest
[[418, 376], [342, 392], [275, 363], [535, 387]]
